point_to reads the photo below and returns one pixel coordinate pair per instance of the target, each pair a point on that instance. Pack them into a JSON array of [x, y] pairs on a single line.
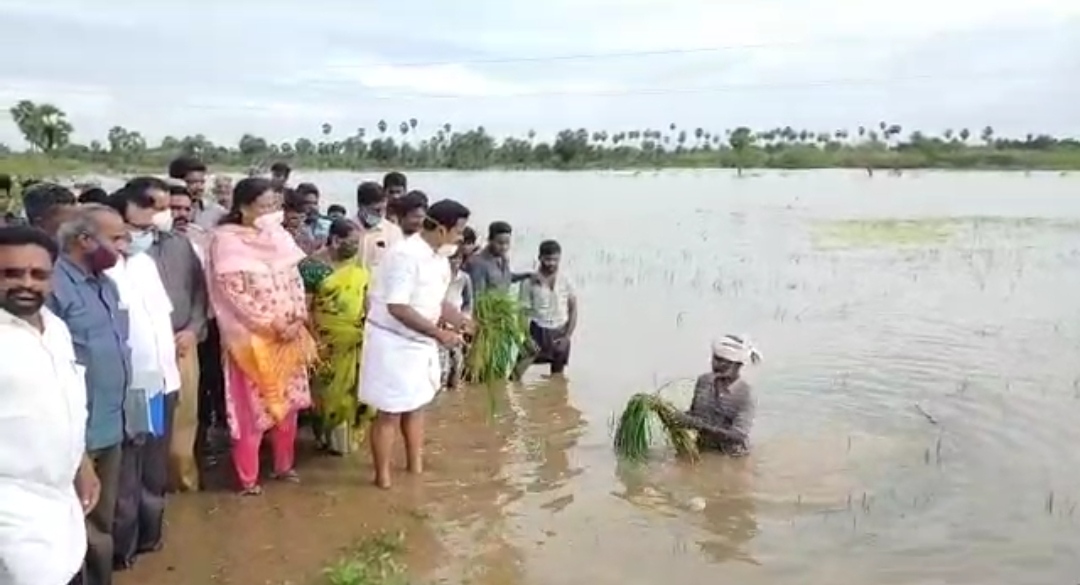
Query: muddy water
[[917, 404]]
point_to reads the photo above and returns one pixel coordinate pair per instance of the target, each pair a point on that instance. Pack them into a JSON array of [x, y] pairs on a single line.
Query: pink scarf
[[243, 249]]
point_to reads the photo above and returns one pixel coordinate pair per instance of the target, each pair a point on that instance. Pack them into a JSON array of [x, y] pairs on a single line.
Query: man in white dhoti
[[400, 362]]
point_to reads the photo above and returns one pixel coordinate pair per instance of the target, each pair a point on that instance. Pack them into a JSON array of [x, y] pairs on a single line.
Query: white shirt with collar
[[413, 274], [153, 347], [42, 442]]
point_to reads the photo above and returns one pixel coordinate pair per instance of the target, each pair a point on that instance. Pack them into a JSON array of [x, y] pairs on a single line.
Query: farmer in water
[[722, 411]]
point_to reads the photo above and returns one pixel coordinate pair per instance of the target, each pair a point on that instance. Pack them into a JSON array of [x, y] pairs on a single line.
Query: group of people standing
[[134, 325]]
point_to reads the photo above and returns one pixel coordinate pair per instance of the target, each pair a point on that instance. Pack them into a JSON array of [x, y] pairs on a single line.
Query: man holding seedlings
[[400, 355], [722, 410], [490, 267]]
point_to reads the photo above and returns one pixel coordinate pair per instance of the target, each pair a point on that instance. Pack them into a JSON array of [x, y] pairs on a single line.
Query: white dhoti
[[397, 374]]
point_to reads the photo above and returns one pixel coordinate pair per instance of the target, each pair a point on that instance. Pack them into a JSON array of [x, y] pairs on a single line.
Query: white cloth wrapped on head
[[736, 348]]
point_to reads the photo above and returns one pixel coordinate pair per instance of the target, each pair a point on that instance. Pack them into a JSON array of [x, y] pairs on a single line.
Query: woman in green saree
[[336, 285]]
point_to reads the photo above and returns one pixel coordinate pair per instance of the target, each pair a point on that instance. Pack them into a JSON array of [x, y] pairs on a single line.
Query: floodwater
[[917, 406]]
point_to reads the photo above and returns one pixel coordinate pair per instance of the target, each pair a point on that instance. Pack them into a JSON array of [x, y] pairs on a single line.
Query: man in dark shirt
[[89, 303], [723, 407], [490, 267]]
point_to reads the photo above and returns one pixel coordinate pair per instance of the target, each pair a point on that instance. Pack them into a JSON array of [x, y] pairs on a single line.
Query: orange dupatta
[[269, 362]]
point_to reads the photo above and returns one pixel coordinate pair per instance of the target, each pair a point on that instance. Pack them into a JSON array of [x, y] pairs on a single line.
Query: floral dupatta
[[245, 272]]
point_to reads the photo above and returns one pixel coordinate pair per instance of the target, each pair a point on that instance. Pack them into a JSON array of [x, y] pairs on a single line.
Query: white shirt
[[411, 273], [376, 241], [548, 307], [42, 441], [153, 347]]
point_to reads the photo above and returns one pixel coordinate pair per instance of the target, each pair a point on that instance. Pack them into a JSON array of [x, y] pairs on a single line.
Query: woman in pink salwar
[[258, 299]]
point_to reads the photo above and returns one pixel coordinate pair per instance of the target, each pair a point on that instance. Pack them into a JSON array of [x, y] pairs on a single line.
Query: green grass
[[372, 561]]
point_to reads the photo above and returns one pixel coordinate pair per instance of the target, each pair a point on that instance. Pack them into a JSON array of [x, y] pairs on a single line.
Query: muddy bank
[[292, 532]]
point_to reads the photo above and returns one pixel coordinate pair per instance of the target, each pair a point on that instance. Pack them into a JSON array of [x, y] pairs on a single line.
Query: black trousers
[[144, 480], [212, 440], [99, 523], [211, 380]]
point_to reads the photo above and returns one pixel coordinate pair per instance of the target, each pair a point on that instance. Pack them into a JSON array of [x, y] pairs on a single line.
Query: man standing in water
[[400, 353], [490, 267], [722, 410], [551, 306], [47, 484], [89, 304]]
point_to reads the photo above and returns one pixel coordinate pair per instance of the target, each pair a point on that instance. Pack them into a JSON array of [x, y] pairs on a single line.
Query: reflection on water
[[916, 409]]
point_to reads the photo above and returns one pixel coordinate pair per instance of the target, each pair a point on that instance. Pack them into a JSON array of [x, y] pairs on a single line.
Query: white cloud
[[280, 69]]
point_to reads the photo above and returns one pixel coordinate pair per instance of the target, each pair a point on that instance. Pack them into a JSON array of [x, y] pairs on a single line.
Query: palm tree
[[412, 124], [327, 129], [382, 126]]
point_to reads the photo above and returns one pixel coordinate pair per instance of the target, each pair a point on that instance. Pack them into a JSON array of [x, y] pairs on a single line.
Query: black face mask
[[22, 302]]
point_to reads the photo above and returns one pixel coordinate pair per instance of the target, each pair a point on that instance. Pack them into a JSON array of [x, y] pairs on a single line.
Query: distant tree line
[[408, 144]]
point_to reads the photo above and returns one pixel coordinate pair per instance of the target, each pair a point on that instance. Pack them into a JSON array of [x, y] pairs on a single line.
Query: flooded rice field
[[917, 406]]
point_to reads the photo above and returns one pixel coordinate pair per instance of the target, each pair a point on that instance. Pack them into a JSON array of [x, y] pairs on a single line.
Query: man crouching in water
[[722, 411]]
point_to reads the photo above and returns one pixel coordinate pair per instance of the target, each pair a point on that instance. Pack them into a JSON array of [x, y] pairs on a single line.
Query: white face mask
[[163, 221], [447, 250], [269, 221]]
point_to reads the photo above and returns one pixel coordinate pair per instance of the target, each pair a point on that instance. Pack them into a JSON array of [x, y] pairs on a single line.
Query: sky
[[281, 68]]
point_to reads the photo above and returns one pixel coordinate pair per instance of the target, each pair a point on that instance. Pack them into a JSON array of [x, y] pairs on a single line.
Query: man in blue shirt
[[89, 303]]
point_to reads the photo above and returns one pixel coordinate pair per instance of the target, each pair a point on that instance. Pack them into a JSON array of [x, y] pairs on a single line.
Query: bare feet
[[382, 483]]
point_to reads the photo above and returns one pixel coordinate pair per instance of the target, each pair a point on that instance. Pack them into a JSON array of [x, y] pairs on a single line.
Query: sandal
[[251, 491], [290, 476]]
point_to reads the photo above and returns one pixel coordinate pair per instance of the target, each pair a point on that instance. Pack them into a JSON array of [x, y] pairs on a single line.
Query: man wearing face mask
[[181, 273], [401, 373], [140, 507], [47, 484], [88, 302], [377, 234]]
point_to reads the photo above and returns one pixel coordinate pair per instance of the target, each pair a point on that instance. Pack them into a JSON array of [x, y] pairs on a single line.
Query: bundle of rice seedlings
[[499, 338], [633, 434]]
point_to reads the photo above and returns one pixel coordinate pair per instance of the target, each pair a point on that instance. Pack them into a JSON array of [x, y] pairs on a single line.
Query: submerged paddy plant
[[634, 436], [856, 233]]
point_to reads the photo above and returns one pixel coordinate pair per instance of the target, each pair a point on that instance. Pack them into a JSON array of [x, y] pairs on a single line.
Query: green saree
[[338, 293]]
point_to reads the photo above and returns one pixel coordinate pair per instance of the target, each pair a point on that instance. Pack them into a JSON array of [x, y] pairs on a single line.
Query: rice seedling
[[371, 562], [634, 436], [499, 338]]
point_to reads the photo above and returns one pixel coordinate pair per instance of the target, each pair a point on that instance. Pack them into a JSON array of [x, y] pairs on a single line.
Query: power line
[[671, 52], [621, 93], [853, 40]]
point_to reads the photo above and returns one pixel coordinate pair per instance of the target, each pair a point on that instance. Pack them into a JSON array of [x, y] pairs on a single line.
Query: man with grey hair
[[88, 302]]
